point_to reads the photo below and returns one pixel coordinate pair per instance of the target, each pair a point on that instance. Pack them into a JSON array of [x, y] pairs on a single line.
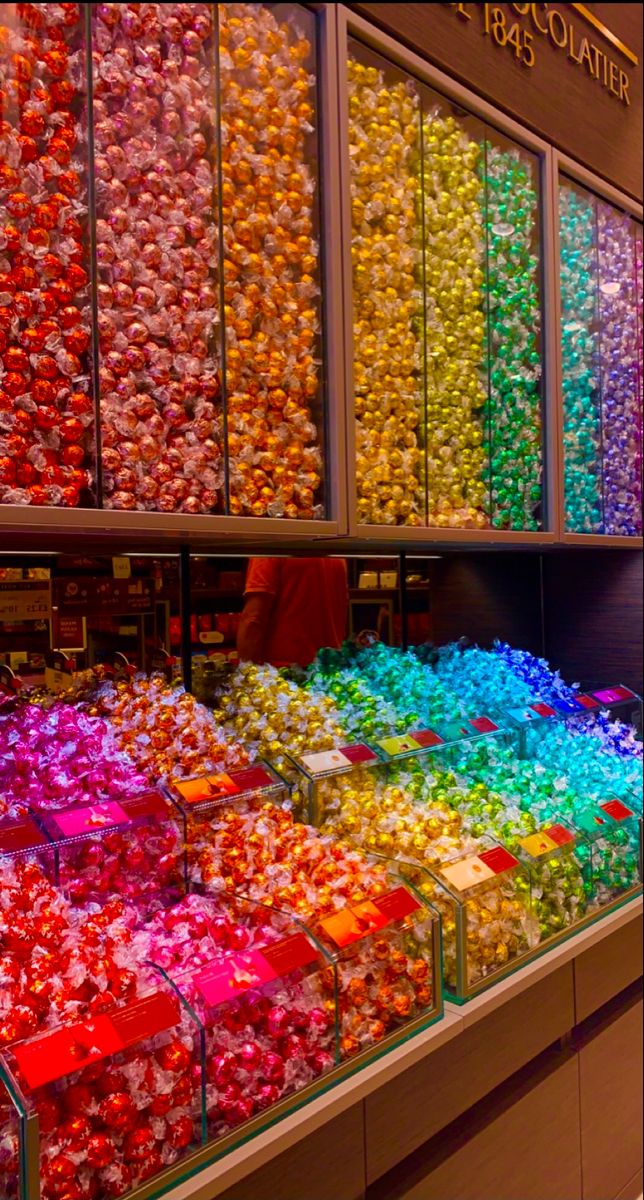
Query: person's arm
[[253, 627], [262, 587]]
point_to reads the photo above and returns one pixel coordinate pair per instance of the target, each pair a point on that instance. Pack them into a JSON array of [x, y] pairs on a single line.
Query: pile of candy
[[258, 850], [154, 174], [384, 139], [271, 275], [163, 729], [417, 818], [52, 759], [46, 410], [273, 716]]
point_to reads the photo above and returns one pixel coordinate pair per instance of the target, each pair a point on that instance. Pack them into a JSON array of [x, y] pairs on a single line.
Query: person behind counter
[[293, 607]]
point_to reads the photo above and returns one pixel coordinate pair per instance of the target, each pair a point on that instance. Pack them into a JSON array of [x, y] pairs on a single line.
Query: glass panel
[[580, 362], [265, 998], [10, 1129], [154, 176], [270, 217], [47, 428], [621, 394], [118, 1097], [447, 310], [600, 248], [388, 369]]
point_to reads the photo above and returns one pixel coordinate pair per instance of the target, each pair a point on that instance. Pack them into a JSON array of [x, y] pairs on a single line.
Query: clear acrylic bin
[[133, 848], [104, 1104], [265, 1002], [483, 897]]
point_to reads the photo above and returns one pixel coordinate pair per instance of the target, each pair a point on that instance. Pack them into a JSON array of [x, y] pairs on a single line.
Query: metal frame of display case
[[176, 528], [563, 165], [351, 25]]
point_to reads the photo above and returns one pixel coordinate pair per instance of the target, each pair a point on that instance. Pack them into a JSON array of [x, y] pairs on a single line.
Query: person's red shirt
[[309, 609]]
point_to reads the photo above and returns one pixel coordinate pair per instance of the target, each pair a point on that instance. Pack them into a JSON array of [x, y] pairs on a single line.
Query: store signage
[[352, 924], [469, 872], [518, 28], [92, 818], [337, 760], [25, 601], [71, 633], [548, 840], [536, 711], [223, 981], [22, 834], [615, 695], [105, 595], [64, 1051]]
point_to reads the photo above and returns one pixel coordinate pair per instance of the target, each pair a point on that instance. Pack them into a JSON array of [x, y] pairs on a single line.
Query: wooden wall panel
[[487, 596], [410, 1109], [524, 1148], [610, 1086], [329, 1163], [556, 98], [606, 968], [593, 615]]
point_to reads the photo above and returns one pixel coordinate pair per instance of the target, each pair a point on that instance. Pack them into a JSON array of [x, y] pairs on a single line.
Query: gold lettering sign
[[545, 21]]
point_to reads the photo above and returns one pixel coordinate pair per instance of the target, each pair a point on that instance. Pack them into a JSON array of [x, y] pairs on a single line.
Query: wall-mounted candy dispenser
[[600, 269], [446, 290]]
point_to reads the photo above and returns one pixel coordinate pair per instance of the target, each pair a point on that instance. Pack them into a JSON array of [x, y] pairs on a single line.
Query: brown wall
[[556, 98]]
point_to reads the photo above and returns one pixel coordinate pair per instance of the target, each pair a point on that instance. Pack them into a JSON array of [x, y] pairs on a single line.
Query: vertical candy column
[[580, 366], [620, 376], [384, 147], [46, 410], [450, 209], [154, 109], [271, 267], [514, 317]]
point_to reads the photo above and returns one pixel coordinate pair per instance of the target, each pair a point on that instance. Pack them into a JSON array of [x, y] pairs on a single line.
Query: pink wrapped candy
[[160, 393]]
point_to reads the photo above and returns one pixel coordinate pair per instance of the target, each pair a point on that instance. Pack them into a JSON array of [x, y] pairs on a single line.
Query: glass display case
[[265, 1002], [375, 933], [22, 843], [105, 1103], [600, 249], [209, 280], [47, 422], [447, 300], [413, 811], [203, 245], [612, 849], [133, 848], [483, 894]]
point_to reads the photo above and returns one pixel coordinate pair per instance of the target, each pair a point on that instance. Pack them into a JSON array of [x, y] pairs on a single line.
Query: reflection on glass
[[271, 260], [600, 248], [447, 310], [46, 409]]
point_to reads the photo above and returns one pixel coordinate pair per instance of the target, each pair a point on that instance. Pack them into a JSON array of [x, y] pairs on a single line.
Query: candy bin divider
[[202, 1039], [44, 851], [95, 360], [218, 205], [28, 1137]]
